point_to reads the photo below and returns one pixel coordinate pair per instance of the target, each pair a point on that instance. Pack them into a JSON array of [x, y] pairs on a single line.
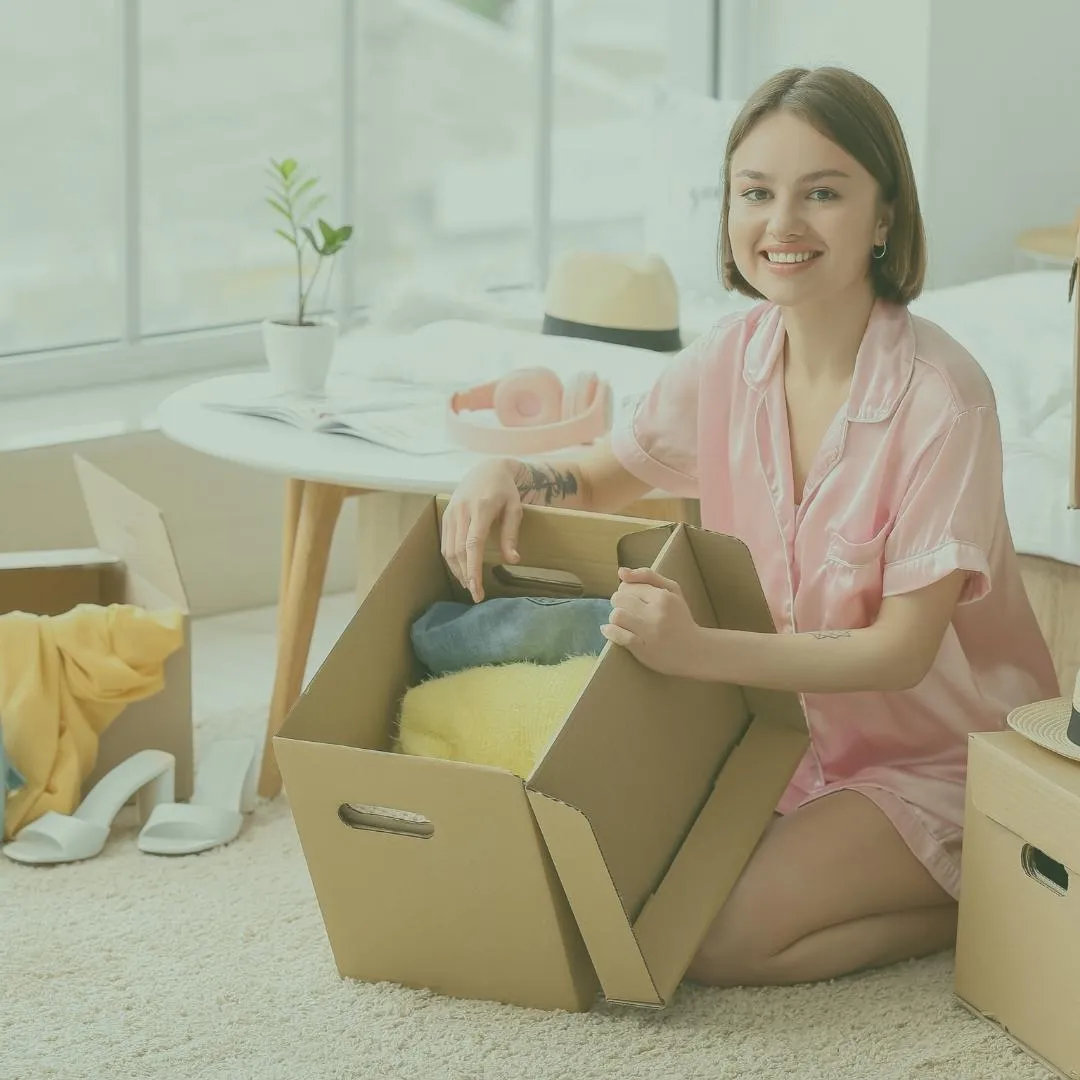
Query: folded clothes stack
[[503, 675]]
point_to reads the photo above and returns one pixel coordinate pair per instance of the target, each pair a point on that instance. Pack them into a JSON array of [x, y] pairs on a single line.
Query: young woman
[[855, 449]]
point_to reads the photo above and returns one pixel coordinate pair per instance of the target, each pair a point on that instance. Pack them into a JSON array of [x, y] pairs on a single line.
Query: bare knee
[[742, 948]]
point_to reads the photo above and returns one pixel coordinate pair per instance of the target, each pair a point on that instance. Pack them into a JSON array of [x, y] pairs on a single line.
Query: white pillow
[[682, 219]]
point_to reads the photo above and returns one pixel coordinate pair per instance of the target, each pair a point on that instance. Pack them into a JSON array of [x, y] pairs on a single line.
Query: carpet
[[217, 967]]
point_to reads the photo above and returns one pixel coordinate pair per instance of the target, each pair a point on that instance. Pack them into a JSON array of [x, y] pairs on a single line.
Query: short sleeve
[[953, 512], [657, 439]]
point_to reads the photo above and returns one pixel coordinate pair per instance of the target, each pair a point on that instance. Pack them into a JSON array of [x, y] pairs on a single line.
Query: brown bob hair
[[854, 114]]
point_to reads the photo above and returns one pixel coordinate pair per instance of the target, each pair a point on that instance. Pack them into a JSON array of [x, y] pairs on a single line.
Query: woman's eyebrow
[[808, 178]]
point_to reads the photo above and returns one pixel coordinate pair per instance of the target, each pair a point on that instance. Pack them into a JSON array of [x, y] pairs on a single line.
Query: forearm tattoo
[[823, 634], [544, 484]]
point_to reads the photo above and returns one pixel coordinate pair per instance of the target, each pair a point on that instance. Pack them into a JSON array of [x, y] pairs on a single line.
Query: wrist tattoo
[[544, 484], [821, 635]]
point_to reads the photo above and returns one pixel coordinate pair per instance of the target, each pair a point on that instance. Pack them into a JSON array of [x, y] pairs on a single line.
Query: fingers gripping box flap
[[604, 868], [656, 790]]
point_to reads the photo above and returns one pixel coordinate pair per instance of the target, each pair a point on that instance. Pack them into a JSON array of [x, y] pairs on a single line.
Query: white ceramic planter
[[299, 357]]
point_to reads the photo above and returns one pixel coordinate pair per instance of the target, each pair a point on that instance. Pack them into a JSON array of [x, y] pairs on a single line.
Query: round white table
[[320, 470], [273, 446]]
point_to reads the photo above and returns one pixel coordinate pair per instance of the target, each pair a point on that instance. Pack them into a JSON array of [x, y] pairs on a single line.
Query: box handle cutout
[[1046, 871], [536, 581], [385, 819]]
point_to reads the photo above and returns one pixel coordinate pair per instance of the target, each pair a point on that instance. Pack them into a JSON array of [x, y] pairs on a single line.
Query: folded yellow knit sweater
[[63, 680], [502, 715]]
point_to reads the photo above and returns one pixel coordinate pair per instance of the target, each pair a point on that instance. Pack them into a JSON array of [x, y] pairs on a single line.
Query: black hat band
[[657, 340], [1073, 732]]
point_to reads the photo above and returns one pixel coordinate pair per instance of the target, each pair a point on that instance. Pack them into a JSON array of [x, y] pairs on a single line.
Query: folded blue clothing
[[451, 636]]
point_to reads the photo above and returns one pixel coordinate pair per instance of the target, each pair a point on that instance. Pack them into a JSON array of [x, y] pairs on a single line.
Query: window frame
[[694, 61]]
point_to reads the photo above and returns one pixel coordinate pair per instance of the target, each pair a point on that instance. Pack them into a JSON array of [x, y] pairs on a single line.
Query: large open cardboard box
[[133, 563], [1018, 949], [599, 873]]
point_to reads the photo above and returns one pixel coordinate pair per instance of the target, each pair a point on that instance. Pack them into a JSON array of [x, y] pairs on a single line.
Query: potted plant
[[299, 347]]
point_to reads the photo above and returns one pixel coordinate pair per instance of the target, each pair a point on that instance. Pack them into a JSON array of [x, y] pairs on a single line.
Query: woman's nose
[[785, 222]]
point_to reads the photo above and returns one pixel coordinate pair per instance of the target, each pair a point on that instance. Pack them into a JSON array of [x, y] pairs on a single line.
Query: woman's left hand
[[651, 619]]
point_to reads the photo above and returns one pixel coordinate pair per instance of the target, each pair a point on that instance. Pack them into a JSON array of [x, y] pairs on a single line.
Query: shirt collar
[[883, 364]]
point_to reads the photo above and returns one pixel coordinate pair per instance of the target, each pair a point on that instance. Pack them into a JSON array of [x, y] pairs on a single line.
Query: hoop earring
[[884, 248]]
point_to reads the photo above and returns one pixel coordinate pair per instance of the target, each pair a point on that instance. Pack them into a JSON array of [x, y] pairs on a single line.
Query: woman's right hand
[[486, 496]]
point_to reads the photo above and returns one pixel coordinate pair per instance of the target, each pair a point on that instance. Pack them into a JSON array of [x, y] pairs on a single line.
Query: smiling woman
[[855, 449], [775, 208]]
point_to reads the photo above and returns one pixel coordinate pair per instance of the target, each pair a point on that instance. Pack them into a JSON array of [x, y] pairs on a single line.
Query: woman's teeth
[[790, 257]]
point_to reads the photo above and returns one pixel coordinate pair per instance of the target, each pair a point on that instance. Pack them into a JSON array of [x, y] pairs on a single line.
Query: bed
[[1022, 330], [1019, 327]]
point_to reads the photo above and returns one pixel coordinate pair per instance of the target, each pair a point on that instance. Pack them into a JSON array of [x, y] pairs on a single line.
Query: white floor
[[233, 655], [216, 967]]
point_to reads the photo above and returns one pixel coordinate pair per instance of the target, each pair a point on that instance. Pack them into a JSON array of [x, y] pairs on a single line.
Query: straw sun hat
[[625, 299], [1054, 723]]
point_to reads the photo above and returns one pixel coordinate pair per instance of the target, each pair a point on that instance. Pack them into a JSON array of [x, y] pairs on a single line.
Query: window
[[465, 140], [225, 87], [60, 208]]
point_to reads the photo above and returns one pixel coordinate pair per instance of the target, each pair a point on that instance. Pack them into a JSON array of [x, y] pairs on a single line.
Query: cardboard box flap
[[567, 552], [130, 527], [647, 854], [1074, 299], [739, 603], [643, 961], [56, 558], [1029, 790]]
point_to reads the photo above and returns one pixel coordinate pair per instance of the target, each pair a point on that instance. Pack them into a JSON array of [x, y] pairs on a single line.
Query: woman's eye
[[754, 194], [822, 194]]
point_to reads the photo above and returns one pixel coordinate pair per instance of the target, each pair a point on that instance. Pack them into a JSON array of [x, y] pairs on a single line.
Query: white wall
[[1003, 130], [790, 33], [986, 91]]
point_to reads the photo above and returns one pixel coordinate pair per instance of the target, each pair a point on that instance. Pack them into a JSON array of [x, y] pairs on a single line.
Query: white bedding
[[1019, 327]]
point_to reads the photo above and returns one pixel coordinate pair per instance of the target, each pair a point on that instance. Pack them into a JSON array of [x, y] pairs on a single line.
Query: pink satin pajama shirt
[[906, 487]]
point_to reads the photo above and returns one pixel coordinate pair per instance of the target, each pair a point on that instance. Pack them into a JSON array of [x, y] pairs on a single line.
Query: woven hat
[[1054, 723], [625, 299]]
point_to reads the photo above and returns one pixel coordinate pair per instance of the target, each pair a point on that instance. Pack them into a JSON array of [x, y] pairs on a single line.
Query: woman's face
[[803, 214]]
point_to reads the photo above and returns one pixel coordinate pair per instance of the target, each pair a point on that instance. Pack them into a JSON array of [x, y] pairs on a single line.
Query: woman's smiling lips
[[789, 260]]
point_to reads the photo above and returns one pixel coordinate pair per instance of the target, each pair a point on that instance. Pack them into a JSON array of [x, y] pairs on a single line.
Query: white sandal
[[225, 789], [62, 838]]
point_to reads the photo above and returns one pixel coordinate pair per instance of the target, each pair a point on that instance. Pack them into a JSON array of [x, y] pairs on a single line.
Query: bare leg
[[307, 556], [831, 889]]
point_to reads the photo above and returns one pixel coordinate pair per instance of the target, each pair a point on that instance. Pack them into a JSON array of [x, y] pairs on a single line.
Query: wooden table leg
[[294, 500], [314, 508]]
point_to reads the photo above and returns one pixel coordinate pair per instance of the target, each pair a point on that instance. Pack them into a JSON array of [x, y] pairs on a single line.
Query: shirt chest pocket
[[853, 577]]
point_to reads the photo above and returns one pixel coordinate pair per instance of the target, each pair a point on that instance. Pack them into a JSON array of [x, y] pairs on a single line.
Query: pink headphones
[[536, 412]]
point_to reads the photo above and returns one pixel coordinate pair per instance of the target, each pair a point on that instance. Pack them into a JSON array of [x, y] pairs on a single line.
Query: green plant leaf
[[288, 167], [326, 230], [285, 236], [311, 237], [344, 233], [279, 208], [312, 206], [305, 187]]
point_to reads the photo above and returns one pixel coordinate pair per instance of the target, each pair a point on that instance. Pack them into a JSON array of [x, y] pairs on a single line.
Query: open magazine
[[403, 417]]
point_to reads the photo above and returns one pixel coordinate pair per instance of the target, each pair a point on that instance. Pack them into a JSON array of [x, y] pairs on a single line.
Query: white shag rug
[[217, 967]]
